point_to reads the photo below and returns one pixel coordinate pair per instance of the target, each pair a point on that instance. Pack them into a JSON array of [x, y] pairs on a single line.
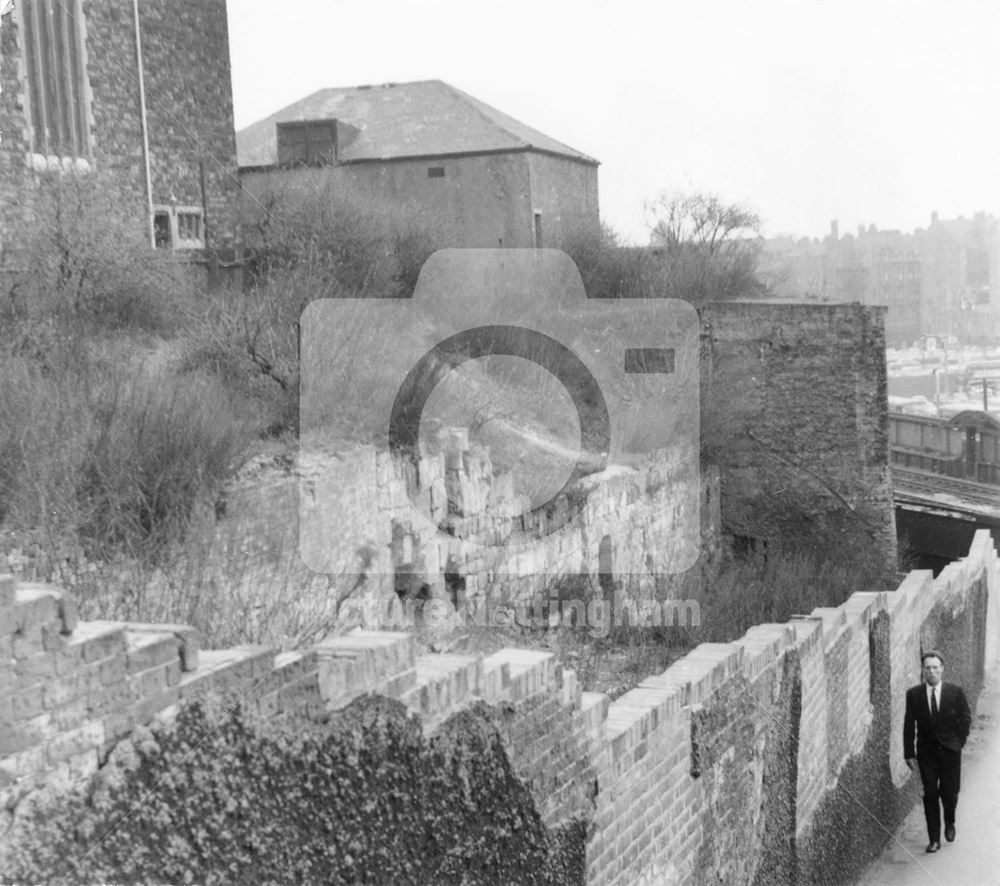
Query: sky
[[865, 111]]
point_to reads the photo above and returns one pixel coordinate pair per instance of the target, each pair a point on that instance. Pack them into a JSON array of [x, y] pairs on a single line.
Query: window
[[307, 142], [55, 75], [435, 172], [178, 227], [538, 230], [162, 228], [189, 230]]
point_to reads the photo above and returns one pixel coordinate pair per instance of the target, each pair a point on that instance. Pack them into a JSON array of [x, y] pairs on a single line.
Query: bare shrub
[[85, 264], [610, 268], [709, 250], [316, 238], [309, 241], [700, 250]]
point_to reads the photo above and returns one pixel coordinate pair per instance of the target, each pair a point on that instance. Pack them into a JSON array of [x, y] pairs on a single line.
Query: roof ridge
[[387, 84]]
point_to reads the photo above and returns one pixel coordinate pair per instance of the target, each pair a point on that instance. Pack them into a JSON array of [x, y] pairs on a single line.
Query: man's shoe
[[949, 833], [933, 846]]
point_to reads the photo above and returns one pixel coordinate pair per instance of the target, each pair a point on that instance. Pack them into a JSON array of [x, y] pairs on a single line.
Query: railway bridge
[[946, 482]]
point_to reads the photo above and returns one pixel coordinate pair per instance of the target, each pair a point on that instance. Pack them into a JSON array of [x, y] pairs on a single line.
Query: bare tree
[[709, 250]]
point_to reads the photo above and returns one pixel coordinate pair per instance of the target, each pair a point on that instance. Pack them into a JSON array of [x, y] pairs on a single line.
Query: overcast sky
[[867, 111]]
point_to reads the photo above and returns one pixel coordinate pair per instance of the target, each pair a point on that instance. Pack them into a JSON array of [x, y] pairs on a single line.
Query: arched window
[[52, 44]]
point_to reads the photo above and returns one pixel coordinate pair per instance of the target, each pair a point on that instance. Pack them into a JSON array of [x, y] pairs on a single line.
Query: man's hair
[[932, 653]]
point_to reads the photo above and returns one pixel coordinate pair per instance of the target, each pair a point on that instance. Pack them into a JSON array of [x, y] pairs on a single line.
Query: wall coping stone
[[187, 635]]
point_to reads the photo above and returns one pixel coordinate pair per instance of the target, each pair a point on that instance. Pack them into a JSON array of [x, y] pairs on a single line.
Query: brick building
[[476, 176], [136, 93]]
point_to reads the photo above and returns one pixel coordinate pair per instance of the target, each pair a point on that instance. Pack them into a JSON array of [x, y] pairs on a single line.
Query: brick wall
[[73, 690], [742, 762], [189, 112]]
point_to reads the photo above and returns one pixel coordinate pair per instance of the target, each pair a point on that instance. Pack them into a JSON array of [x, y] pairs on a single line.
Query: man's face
[[933, 670]]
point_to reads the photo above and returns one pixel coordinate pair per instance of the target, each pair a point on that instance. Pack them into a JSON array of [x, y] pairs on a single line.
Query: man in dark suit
[[939, 714]]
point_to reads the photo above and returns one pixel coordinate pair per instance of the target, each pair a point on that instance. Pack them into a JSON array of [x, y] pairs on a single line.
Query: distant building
[[962, 276], [477, 176], [795, 268], [943, 280], [71, 101]]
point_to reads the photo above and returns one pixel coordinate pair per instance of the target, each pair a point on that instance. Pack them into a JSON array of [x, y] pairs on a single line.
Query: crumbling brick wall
[[744, 761]]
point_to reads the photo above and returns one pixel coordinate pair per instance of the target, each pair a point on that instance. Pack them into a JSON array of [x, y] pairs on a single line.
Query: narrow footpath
[[974, 858]]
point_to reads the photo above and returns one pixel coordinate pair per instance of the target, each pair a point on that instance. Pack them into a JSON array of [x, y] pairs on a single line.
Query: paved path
[[974, 858]]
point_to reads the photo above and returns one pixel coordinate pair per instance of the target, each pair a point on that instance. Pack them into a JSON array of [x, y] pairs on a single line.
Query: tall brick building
[[136, 93]]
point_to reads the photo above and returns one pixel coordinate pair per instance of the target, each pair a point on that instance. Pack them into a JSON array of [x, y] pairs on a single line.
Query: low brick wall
[[757, 761]]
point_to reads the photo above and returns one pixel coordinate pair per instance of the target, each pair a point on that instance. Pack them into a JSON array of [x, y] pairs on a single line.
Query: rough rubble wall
[[359, 513], [13, 145], [737, 763], [795, 412]]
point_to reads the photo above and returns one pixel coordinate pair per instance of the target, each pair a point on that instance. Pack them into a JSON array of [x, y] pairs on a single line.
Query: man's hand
[[912, 764]]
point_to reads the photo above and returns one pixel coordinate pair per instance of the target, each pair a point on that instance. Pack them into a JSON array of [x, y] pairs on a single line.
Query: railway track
[[926, 485]]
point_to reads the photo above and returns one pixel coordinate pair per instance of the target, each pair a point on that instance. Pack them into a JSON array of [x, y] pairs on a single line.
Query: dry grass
[[229, 602], [773, 587]]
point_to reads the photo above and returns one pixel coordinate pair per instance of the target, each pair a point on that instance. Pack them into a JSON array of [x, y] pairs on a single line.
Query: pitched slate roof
[[428, 118]]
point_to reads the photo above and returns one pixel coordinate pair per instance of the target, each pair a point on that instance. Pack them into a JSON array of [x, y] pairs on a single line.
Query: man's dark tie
[[934, 707]]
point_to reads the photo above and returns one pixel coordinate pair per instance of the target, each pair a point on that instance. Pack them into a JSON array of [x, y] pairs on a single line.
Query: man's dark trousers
[[941, 774]]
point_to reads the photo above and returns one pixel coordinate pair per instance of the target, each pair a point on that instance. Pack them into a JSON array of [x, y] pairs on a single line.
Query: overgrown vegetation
[[761, 587], [86, 272], [305, 243], [700, 250], [129, 395], [104, 449], [624, 642]]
